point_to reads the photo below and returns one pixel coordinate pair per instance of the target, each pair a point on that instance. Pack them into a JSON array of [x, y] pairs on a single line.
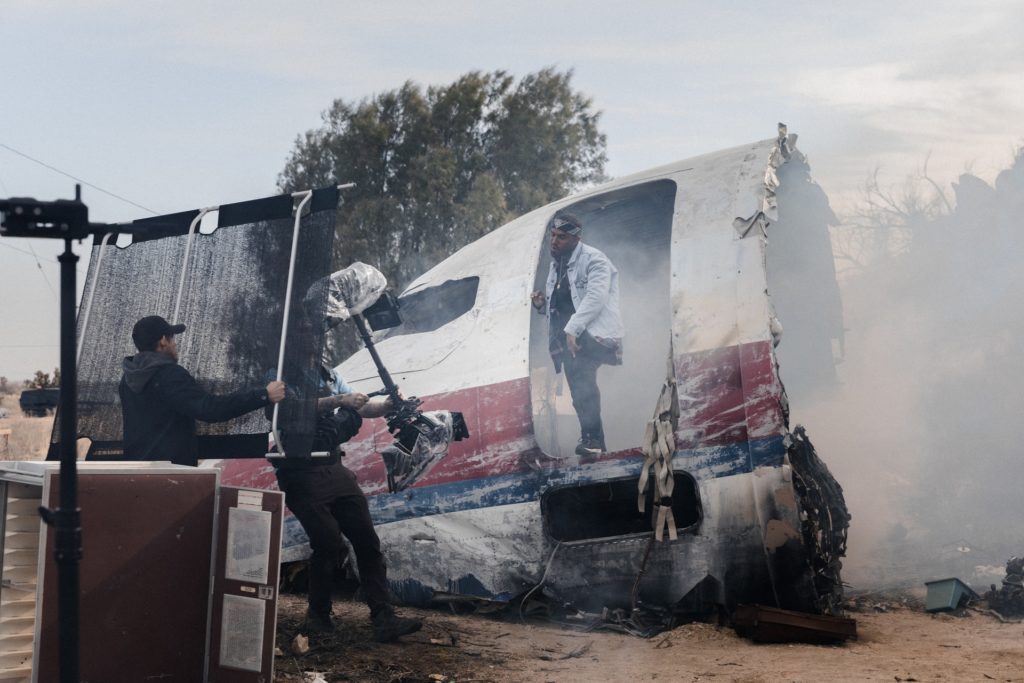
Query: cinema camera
[[405, 421], [420, 438]]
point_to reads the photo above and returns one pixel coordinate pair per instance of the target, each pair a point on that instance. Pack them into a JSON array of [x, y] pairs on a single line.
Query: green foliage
[[436, 169]]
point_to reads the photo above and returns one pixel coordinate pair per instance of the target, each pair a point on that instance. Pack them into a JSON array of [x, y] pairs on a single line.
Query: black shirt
[[561, 310]]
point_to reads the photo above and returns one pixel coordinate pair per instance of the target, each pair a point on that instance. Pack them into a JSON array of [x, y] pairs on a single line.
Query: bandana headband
[[570, 227]]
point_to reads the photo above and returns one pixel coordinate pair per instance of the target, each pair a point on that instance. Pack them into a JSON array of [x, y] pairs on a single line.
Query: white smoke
[[922, 425]]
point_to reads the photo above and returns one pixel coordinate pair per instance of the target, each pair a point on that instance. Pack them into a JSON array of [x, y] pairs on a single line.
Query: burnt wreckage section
[[790, 556], [634, 571], [824, 520]]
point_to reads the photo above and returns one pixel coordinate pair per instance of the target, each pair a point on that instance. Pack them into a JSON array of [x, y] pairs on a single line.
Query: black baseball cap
[[148, 331]]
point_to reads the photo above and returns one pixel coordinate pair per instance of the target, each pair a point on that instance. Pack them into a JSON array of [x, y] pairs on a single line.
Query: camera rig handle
[[405, 413]]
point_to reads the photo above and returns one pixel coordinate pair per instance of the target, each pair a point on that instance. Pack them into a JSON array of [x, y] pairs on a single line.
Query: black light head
[[60, 219]]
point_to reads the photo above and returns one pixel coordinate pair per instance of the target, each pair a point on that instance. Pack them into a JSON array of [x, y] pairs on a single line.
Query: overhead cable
[[76, 178]]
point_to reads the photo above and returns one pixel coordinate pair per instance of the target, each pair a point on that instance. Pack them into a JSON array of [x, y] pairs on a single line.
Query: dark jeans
[[328, 502], [581, 374]]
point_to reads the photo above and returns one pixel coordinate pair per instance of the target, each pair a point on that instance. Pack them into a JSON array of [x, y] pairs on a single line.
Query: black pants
[[328, 502], [581, 374]]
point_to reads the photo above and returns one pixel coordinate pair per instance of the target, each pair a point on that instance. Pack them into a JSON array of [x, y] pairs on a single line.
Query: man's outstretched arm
[[183, 393]]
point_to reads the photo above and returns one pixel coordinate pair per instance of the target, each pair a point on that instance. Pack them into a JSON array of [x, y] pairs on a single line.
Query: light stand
[[68, 220]]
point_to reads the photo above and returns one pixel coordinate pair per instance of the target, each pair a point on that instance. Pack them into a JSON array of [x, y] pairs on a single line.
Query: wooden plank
[[16, 660], [20, 557], [22, 540], [18, 609], [22, 523], [24, 496], [18, 626], [16, 675], [15, 643], [18, 577], [24, 506]]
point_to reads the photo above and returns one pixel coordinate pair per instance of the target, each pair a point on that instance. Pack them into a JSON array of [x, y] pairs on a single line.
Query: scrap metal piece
[[1008, 599], [773, 625]]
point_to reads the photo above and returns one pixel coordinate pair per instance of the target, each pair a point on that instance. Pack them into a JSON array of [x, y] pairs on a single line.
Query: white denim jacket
[[594, 285]]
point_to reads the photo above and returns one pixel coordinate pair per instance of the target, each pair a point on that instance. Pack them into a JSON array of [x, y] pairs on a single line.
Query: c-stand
[[68, 220]]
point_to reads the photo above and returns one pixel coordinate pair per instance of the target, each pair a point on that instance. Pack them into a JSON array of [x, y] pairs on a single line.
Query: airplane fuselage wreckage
[[706, 498]]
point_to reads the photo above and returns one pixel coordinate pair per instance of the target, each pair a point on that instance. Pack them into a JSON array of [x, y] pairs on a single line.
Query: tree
[[5, 386], [888, 221], [42, 380], [436, 169]]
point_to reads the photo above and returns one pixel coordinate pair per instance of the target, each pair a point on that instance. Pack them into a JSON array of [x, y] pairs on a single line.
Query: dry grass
[[29, 437]]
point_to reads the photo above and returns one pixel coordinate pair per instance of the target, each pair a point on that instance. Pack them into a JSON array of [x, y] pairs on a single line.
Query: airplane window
[[425, 310]]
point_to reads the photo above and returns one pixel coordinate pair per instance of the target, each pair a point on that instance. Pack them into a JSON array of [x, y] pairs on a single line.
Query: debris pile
[[1009, 599]]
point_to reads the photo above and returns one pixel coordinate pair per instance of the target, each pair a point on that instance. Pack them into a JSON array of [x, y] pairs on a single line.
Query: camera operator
[[325, 497]]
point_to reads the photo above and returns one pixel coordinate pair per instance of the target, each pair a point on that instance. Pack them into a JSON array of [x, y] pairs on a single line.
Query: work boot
[[317, 624], [589, 447], [388, 626]]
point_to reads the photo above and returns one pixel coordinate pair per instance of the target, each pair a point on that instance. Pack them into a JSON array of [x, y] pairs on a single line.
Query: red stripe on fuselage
[[727, 396]]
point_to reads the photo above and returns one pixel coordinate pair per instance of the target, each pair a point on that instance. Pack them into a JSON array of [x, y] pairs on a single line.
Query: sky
[[174, 106]]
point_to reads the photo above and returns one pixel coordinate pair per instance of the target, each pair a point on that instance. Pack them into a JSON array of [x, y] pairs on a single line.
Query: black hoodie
[[160, 402]]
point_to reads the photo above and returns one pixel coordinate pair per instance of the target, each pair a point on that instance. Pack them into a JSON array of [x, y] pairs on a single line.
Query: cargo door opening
[[633, 227], [608, 509]]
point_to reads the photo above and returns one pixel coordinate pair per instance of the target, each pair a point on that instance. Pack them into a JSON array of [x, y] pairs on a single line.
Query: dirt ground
[[901, 643]]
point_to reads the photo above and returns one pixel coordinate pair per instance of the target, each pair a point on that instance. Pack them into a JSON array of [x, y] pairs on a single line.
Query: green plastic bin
[[947, 594]]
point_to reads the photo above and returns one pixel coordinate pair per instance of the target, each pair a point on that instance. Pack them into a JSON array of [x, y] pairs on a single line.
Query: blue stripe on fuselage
[[523, 487]]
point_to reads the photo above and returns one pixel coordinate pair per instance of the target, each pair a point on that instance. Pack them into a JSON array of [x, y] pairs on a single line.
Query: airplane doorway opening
[[633, 227]]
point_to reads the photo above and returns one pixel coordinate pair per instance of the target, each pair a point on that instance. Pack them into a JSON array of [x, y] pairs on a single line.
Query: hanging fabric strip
[[659, 446]]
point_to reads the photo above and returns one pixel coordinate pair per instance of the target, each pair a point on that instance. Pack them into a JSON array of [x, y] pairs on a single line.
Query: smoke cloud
[[920, 421]]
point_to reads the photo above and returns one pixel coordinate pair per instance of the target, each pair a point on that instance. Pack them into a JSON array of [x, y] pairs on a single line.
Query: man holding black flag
[[161, 401]]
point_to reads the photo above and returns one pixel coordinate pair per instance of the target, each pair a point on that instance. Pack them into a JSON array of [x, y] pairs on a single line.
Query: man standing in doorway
[[161, 401], [585, 328]]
